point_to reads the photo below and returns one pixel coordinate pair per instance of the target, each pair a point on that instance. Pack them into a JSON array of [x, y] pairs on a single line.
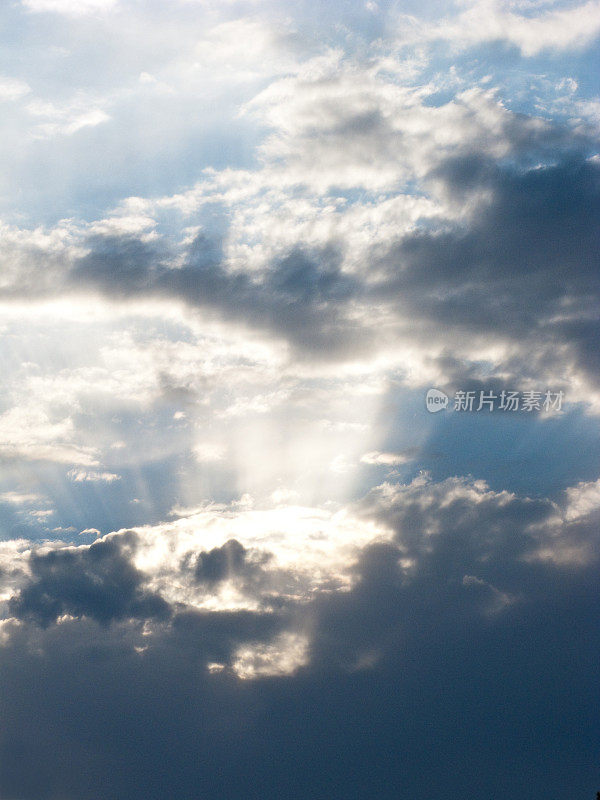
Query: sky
[[270, 524]]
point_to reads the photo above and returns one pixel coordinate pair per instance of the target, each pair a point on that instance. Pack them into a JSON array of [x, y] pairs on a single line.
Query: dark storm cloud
[[100, 716], [540, 232], [472, 556], [230, 560], [214, 635], [527, 266], [251, 572], [98, 582], [470, 672]]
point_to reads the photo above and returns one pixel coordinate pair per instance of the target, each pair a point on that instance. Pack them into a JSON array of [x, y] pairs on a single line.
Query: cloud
[[583, 499], [13, 88], [65, 119], [376, 458], [30, 434], [268, 51], [97, 581], [219, 316], [425, 259], [525, 268], [220, 563], [336, 124], [74, 8], [412, 652], [33, 261], [20, 498], [92, 475], [530, 224], [565, 28], [297, 297]]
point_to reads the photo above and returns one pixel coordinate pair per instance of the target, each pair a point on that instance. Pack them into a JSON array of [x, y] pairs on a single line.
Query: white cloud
[[65, 119], [282, 656], [29, 433], [207, 452], [335, 124], [125, 225], [21, 498], [376, 458], [266, 50], [36, 259], [497, 20], [13, 88], [92, 476], [73, 8], [582, 500]]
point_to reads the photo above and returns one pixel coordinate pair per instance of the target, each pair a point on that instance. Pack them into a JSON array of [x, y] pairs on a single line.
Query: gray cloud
[[525, 266], [301, 297], [97, 581], [232, 560], [527, 257], [469, 639], [119, 265]]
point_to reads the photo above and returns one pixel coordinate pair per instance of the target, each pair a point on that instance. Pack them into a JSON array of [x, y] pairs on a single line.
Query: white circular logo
[[435, 400]]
